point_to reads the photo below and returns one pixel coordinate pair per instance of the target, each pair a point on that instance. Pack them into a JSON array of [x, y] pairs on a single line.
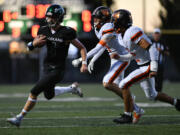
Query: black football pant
[[47, 82]]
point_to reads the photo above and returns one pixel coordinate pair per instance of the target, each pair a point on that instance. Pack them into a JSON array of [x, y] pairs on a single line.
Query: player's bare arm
[[83, 53]]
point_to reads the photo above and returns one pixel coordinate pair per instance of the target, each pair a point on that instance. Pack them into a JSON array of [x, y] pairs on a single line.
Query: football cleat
[[124, 119], [76, 89], [137, 116], [14, 121], [177, 106]]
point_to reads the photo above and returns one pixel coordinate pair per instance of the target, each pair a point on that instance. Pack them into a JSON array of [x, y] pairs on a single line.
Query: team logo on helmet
[[56, 12], [121, 19]]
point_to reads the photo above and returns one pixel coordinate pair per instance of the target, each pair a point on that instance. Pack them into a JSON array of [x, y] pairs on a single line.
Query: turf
[[91, 116]]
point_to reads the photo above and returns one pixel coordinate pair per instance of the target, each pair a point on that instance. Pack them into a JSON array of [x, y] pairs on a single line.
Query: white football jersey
[[131, 38], [113, 45]]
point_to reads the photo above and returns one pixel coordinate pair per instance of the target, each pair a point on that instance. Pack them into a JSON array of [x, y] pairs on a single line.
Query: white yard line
[[77, 99], [148, 104], [87, 99], [92, 117], [16, 95], [101, 125], [86, 117], [59, 99]]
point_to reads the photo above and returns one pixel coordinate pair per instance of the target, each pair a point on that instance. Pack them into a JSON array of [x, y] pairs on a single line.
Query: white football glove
[[76, 62], [91, 67]]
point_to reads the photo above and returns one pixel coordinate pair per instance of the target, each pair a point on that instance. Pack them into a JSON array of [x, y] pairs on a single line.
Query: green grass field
[[92, 115]]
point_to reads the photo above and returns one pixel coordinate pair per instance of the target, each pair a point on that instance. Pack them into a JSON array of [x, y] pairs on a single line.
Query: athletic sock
[[128, 113], [22, 114], [136, 108], [175, 101], [61, 90]]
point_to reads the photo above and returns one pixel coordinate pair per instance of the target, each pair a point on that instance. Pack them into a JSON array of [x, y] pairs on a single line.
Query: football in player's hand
[[39, 41]]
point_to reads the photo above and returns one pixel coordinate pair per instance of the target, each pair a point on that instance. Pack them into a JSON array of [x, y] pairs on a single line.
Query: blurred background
[[20, 21]]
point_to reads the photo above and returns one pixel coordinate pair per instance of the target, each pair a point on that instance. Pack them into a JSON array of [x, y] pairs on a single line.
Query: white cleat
[[137, 116], [14, 121], [76, 89]]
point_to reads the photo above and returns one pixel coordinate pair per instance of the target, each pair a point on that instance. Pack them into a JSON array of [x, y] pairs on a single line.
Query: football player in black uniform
[[57, 39]]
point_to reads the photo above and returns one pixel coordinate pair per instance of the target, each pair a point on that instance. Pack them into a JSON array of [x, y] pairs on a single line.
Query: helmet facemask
[[54, 22], [101, 15], [97, 23]]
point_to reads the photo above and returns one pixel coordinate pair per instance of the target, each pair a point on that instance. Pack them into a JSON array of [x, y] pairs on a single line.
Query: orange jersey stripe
[[108, 31], [118, 71], [137, 60], [136, 36], [137, 78], [103, 43]]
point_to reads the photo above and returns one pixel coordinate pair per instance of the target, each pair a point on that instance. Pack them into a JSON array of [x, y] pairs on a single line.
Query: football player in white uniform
[[109, 40], [141, 50]]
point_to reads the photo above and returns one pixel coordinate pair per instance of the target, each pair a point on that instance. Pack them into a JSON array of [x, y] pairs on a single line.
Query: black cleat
[[124, 119], [177, 106]]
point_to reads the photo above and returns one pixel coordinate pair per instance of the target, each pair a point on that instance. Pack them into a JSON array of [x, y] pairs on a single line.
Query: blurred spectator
[[162, 51]]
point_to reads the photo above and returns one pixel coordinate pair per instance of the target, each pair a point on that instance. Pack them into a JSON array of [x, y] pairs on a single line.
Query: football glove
[[91, 67]]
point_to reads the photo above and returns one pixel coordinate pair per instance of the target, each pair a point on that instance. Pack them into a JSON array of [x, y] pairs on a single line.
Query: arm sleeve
[[154, 58], [94, 51], [100, 52], [126, 57], [153, 53], [102, 44]]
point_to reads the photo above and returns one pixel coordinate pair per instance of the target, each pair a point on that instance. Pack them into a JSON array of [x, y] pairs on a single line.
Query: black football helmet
[[121, 19], [56, 12], [104, 14]]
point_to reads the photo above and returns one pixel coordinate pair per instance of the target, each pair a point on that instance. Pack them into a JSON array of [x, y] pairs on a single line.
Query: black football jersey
[[57, 44]]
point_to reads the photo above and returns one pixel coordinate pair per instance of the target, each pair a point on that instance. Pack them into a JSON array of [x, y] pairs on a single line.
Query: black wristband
[[30, 46]]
